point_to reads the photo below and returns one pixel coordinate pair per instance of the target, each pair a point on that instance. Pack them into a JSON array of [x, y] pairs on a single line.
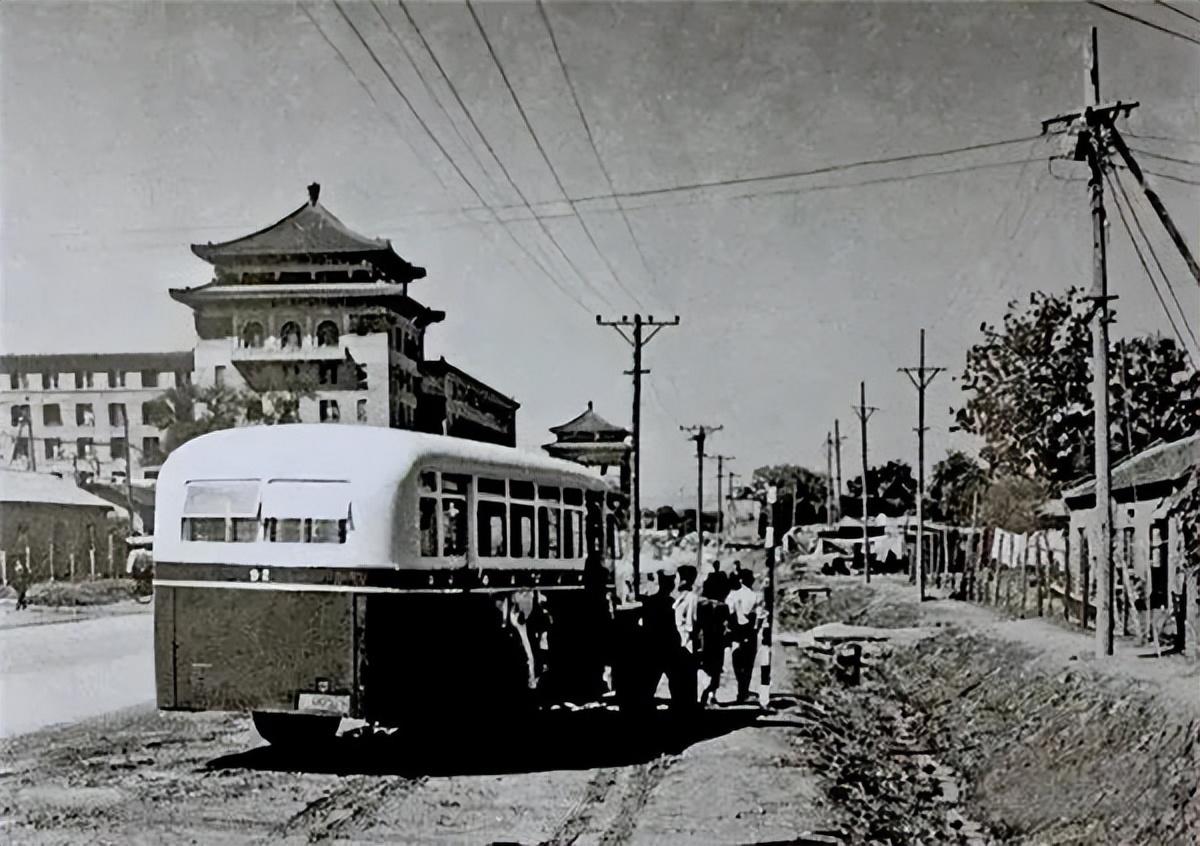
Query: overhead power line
[[587, 128], [542, 151], [1176, 10], [1145, 267], [1165, 158], [1170, 176], [1143, 21], [1169, 138]]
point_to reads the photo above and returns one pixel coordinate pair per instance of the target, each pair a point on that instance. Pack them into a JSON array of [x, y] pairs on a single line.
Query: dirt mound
[[1054, 756]]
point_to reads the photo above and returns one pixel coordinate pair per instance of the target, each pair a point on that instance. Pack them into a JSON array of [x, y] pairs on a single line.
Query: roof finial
[[314, 191], [589, 405]]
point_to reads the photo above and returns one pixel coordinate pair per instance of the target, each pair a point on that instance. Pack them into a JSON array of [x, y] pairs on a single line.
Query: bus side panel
[[164, 646], [252, 649]]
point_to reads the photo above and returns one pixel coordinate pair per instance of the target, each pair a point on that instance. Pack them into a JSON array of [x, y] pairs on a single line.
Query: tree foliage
[[1029, 391], [891, 489], [801, 492], [187, 411], [956, 482], [1012, 503]]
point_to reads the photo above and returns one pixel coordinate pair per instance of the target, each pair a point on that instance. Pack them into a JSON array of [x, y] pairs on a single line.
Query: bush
[[76, 594]]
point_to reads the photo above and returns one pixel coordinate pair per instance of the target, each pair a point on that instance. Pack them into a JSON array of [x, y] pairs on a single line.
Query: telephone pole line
[[863, 412], [638, 342], [699, 434], [829, 478], [721, 459], [1095, 131], [921, 377], [837, 456]]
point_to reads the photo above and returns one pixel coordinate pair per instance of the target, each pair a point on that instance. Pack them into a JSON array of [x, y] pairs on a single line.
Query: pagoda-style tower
[[591, 440], [309, 303]]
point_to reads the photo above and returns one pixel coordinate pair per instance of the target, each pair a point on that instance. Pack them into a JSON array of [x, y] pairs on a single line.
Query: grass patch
[[77, 594]]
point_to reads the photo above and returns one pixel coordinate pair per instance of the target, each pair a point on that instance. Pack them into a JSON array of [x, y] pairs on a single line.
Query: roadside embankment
[[972, 730]]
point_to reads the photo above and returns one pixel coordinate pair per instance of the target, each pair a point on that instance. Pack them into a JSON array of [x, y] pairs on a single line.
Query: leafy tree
[[1029, 391], [187, 411], [801, 492], [956, 481], [891, 489], [1011, 503]]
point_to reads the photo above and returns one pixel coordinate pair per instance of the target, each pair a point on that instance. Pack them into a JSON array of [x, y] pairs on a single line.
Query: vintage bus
[[312, 572]]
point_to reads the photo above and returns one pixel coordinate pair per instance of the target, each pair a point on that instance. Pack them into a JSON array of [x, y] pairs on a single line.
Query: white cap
[[667, 569]]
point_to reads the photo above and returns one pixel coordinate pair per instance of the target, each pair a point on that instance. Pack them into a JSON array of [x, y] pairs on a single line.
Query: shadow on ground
[[491, 746]]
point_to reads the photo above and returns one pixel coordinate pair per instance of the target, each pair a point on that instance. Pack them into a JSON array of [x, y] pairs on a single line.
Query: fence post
[[3, 567], [112, 568], [51, 560], [92, 561], [1024, 573], [71, 560], [1041, 578], [1067, 575]]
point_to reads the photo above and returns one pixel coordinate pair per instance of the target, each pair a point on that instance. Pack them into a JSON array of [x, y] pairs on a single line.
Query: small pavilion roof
[[311, 230], [589, 423]]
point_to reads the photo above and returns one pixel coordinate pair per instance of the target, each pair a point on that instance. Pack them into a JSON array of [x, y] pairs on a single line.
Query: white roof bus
[[311, 572]]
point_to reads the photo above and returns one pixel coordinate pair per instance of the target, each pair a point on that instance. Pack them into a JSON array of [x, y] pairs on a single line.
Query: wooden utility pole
[[699, 434], [721, 459], [637, 341], [129, 473], [837, 457], [829, 518], [864, 412], [921, 376], [1095, 132]]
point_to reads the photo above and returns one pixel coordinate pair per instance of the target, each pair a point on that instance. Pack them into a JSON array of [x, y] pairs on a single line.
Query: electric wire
[[1177, 11], [512, 93], [587, 128], [1165, 158], [441, 148], [525, 203], [1146, 268], [1143, 21]]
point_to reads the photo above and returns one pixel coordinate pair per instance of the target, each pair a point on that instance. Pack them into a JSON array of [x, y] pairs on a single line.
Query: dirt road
[[60, 672], [573, 778]]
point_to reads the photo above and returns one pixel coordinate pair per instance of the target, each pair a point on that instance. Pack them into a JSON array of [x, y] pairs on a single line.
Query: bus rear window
[[306, 511], [221, 511]]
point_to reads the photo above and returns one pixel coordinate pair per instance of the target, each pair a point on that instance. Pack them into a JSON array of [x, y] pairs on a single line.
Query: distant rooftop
[[67, 362], [589, 423], [18, 486]]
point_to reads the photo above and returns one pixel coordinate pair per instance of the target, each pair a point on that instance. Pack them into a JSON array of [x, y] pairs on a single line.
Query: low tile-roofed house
[[58, 525]]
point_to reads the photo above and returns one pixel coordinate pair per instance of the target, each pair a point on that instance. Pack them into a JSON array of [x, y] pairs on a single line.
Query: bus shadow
[[550, 741]]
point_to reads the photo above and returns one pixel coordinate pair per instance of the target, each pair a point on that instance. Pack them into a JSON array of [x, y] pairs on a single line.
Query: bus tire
[[295, 729]]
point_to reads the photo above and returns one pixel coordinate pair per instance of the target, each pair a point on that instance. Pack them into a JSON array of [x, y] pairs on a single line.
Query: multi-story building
[[308, 307], [303, 308], [72, 413]]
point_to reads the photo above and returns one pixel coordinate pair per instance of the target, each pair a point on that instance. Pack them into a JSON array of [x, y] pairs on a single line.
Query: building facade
[[308, 308], [85, 413]]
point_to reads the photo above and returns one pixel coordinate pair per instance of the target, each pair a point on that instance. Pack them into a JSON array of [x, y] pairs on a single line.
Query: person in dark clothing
[[711, 632], [745, 614], [20, 582]]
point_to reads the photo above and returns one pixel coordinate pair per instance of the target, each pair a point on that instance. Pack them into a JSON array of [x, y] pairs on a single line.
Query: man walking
[[20, 581], [745, 612]]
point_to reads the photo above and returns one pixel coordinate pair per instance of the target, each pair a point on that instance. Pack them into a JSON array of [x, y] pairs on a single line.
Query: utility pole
[[721, 459], [128, 471], [864, 412], [921, 377], [637, 341], [1096, 130], [837, 455], [829, 478], [699, 434]]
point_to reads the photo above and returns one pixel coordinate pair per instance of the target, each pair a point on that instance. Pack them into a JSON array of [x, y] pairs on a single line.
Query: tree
[[801, 492], [1029, 391], [186, 411], [954, 485], [891, 489], [1012, 503]]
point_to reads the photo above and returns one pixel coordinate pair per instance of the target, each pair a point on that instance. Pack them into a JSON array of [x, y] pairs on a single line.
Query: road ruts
[[338, 812], [582, 814], [632, 799]]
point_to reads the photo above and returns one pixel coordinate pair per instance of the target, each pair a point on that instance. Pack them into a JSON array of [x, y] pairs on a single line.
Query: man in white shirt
[[745, 611]]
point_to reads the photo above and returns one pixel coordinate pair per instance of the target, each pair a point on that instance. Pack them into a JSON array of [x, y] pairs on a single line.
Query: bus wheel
[[294, 729]]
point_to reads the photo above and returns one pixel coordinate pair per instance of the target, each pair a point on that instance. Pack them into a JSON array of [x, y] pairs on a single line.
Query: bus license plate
[[328, 703]]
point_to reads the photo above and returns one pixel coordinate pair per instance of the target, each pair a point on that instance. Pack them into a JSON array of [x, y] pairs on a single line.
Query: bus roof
[[346, 451]]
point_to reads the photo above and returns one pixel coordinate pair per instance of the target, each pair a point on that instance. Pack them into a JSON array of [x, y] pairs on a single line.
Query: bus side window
[[548, 531], [429, 541], [492, 535], [522, 530]]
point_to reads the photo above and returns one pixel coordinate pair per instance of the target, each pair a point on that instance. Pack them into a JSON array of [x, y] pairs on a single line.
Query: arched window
[[252, 334], [327, 334], [289, 336]]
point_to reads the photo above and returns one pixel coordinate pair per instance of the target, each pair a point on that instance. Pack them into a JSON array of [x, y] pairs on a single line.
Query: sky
[[129, 131]]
